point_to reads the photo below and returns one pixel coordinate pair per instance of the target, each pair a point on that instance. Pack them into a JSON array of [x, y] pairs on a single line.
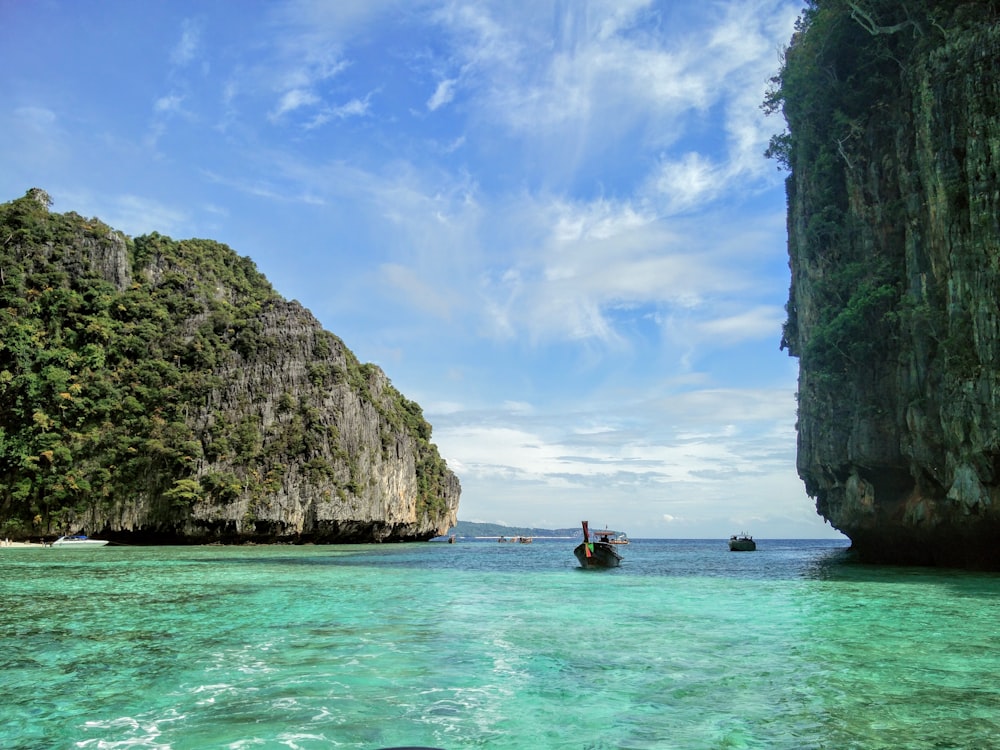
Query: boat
[[602, 552], [78, 541], [610, 537], [742, 543]]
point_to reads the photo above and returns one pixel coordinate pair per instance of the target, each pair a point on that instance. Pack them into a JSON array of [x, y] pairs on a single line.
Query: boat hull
[[602, 555], [77, 543], [742, 545]]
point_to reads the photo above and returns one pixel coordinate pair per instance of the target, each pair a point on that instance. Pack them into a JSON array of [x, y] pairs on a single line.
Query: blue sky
[[549, 222]]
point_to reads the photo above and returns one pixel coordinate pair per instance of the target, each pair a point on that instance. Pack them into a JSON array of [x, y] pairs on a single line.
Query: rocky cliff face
[[160, 391], [894, 245]]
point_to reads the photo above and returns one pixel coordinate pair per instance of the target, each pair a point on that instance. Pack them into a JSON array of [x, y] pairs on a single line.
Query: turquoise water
[[483, 645]]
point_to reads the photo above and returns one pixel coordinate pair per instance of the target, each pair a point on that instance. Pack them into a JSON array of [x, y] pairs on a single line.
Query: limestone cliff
[[893, 145], [160, 391]]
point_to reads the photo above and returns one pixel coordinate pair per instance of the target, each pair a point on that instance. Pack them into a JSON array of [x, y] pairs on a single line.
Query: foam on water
[[485, 645]]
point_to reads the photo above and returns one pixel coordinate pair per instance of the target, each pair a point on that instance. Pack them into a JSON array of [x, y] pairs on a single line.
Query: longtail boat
[[602, 552]]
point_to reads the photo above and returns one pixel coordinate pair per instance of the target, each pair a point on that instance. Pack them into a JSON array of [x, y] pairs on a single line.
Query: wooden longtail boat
[[602, 552]]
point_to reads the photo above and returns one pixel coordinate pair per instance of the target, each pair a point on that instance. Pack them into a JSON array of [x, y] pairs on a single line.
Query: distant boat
[[602, 552], [610, 537], [742, 543], [78, 541]]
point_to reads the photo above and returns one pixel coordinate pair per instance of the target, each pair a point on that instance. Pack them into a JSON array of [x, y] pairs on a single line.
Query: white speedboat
[[78, 540]]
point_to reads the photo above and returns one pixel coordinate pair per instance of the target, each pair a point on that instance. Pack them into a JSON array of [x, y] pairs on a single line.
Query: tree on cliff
[[835, 77]]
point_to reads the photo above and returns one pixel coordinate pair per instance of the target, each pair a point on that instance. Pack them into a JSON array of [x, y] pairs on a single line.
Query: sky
[[550, 222]]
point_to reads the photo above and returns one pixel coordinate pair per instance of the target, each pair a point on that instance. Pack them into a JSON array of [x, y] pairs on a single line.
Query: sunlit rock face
[[160, 391], [894, 247]]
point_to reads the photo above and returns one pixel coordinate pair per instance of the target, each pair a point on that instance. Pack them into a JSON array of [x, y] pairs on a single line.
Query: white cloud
[[550, 448], [578, 267], [443, 94], [686, 183], [678, 458], [353, 108], [293, 100], [763, 321]]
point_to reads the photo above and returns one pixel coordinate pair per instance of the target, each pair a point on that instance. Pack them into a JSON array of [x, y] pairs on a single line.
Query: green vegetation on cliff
[[843, 79], [115, 359]]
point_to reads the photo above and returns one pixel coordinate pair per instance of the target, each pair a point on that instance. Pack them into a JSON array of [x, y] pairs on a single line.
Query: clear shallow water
[[493, 645]]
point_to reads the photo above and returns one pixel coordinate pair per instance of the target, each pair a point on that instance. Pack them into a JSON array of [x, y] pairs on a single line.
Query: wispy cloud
[[693, 445], [563, 266], [292, 100], [188, 47], [759, 322], [685, 183], [187, 51], [168, 103], [353, 108], [443, 94]]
